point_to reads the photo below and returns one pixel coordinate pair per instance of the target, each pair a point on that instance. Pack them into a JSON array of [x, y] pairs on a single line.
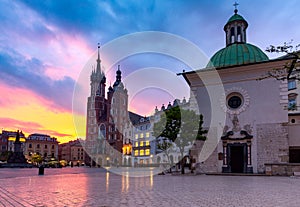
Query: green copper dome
[[236, 17], [237, 54]]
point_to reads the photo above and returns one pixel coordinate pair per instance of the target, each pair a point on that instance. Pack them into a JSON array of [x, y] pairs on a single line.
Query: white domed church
[[257, 134]]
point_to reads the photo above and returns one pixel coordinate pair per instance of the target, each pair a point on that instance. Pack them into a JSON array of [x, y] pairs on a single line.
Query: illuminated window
[[136, 144], [141, 135], [136, 153], [147, 152], [142, 152], [147, 143], [136, 136], [147, 134], [141, 144]]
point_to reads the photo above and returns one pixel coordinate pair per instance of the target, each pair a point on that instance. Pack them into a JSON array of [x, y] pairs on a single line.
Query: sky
[[47, 46]]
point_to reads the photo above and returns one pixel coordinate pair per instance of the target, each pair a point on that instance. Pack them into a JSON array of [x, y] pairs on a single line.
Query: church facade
[[256, 130], [106, 116]]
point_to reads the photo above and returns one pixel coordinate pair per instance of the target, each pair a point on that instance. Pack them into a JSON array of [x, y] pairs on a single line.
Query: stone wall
[[272, 145], [285, 169], [208, 166]]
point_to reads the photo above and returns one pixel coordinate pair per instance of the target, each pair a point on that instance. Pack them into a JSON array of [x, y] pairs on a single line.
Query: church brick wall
[[272, 145]]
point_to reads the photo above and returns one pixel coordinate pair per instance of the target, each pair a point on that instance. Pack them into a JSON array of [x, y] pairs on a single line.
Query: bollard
[[41, 170]]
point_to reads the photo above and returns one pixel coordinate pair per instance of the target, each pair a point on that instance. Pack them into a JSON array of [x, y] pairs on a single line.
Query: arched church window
[[102, 130], [239, 34], [232, 35]]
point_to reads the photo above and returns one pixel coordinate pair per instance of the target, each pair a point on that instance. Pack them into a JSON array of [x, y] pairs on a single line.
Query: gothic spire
[[118, 77], [98, 70]]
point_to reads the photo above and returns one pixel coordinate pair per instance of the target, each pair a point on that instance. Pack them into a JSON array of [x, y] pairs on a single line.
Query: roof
[[237, 54], [134, 118], [235, 17]]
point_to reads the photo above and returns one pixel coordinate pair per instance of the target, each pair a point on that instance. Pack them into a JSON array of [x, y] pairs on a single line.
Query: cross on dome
[[235, 5]]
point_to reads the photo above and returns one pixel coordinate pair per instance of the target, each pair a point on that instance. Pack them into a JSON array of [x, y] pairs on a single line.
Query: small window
[[46, 146], [142, 152], [147, 152], [136, 144], [239, 34], [30, 145], [38, 146], [136, 153], [292, 84], [292, 104], [147, 143], [232, 35], [141, 144]]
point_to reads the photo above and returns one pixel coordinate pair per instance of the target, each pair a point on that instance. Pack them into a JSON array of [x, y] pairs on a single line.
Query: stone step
[[296, 173]]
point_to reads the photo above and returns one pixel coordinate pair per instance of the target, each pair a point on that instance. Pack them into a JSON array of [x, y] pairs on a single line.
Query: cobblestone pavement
[[96, 187]]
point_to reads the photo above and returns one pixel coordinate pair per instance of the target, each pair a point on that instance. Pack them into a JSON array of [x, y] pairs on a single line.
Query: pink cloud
[[18, 124], [12, 96]]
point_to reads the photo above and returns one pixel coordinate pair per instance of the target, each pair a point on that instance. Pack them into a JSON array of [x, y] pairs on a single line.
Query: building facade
[[107, 115], [143, 143], [9, 137], [256, 132], [72, 152], [294, 115], [41, 144]]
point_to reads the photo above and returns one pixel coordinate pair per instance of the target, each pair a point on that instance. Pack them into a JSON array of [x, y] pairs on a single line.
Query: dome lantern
[[237, 50]]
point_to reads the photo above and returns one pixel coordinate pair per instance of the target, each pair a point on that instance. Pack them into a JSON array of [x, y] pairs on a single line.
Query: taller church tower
[[106, 117], [97, 84]]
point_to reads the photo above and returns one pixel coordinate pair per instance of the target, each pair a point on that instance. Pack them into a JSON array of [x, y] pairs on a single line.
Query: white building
[[256, 134]]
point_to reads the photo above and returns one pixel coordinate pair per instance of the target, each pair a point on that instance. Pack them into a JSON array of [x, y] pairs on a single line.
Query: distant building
[[3, 144], [143, 143], [43, 145], [294, 116], [72, 152], [8, 138], [107, 115]]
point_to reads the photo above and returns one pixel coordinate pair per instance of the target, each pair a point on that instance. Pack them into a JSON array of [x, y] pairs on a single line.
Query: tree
[[36, 159], [290, 70], [167, 129], [179, 127]]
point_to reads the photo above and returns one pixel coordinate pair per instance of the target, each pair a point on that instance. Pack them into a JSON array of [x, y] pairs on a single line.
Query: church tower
[[235, 29], [97, 84], [118, 101]]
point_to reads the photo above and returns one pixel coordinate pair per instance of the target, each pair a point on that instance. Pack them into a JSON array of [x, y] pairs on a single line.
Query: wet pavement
[[96, 187]]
